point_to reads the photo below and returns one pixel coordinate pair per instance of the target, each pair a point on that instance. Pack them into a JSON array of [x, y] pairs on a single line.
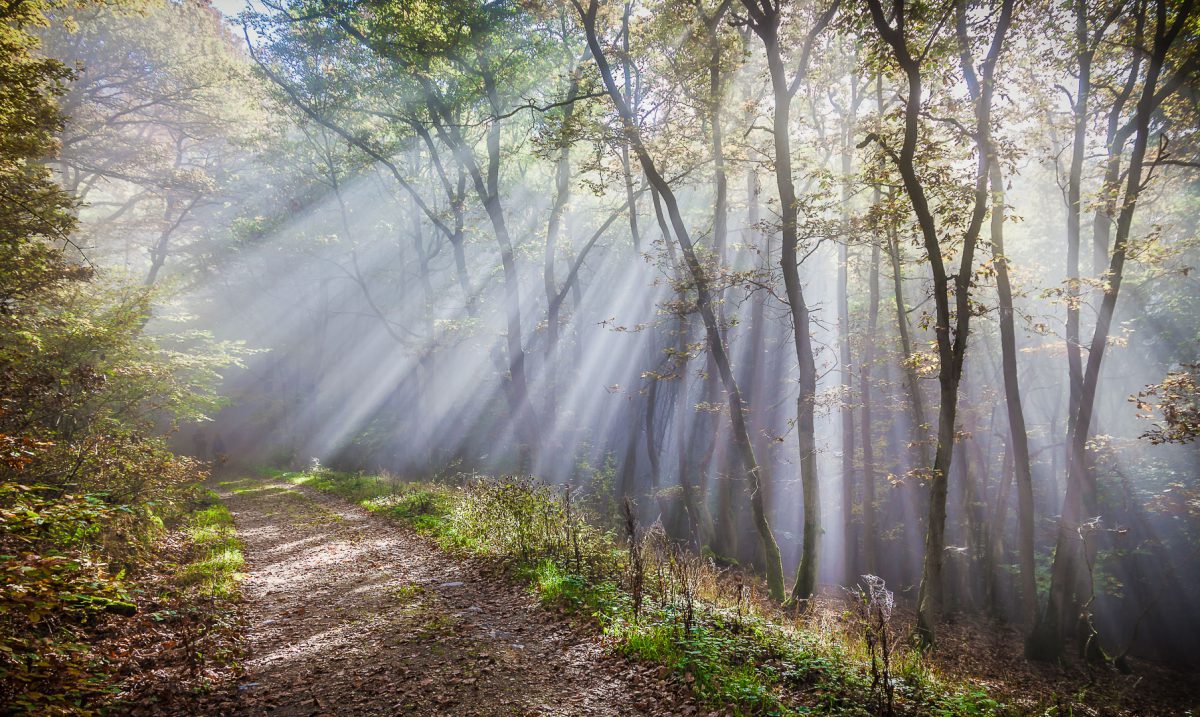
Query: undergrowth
[[217, 553], [654, 600], [74, 567]]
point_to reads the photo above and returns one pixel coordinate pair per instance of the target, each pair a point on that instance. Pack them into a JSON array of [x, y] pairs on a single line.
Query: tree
[[894, 29], [1170, 59], [765, 19], [33, 209], [159, 120], [713, 338]]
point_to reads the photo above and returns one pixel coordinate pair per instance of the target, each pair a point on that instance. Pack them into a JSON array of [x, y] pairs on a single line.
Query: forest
[[599, 357]]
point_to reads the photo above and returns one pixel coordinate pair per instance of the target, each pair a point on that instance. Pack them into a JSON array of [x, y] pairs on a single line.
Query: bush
[[57, 579], [218, 552], [87, 483]]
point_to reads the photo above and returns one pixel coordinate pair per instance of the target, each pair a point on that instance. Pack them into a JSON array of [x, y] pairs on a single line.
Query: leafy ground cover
[[107, 607], [711, 629]]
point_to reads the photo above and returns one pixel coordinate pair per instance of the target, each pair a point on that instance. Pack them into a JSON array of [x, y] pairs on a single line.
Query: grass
[[408, 593], [218, 552], [739, 658], [557, 586], [358, 489]]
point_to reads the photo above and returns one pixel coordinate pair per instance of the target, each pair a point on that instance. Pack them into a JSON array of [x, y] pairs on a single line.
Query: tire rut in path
[[351, 614]]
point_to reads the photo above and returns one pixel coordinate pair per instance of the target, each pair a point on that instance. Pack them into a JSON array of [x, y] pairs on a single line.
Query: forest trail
[[351, 614]]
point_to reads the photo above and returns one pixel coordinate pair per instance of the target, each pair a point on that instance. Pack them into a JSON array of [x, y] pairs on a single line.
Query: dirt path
[[350, 614]]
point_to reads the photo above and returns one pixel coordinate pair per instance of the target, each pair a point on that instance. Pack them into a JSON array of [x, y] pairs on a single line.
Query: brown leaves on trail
[[348, 614]]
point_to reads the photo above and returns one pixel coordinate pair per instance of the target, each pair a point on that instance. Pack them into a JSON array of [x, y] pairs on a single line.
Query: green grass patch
[[555, 585], [218, 557], [723, 668], [408, 593], [425, 507], [352, 487]]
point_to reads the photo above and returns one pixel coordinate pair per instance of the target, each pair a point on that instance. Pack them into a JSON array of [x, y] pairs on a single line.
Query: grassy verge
[[216, 551], [657, 603]]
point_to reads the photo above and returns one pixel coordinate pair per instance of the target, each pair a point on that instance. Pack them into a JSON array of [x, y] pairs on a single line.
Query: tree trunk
[[714, 340], [996, 534], [632, 102], [1063, 605], [562, 193], [870, 529], [845, 365], [951, 345], [767, 27], [1018, 435]]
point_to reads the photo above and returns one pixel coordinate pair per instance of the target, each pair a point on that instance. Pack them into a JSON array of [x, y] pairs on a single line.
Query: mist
[[547, 239]]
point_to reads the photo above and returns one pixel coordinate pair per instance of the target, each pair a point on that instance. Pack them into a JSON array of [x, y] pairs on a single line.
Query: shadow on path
[[351, 614]]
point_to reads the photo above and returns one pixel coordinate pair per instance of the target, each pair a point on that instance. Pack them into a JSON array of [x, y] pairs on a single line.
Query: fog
[[444, 256]]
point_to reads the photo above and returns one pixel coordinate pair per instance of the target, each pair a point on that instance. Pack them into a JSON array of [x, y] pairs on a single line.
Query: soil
[[348, 613]]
